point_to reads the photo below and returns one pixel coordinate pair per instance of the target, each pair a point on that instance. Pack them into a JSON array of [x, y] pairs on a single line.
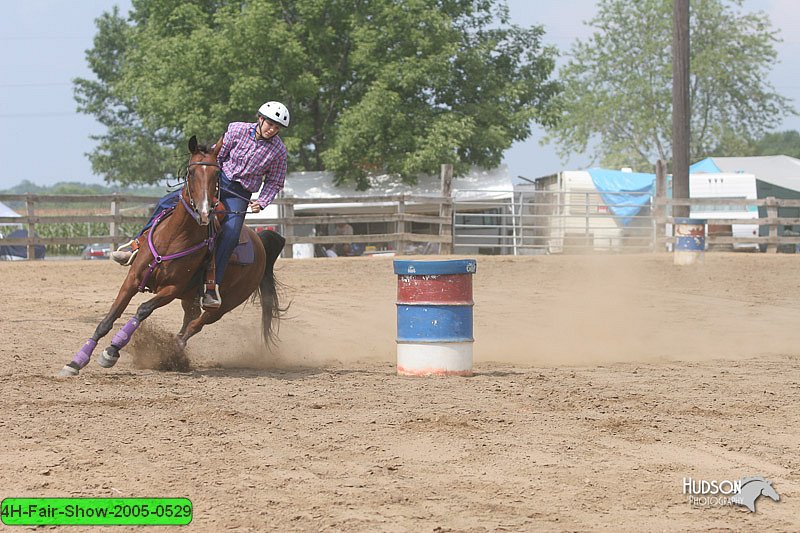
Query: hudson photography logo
[[713, 493]]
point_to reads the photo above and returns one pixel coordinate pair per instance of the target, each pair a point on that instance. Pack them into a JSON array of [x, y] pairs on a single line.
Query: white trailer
[[729, 186], [578, 215]]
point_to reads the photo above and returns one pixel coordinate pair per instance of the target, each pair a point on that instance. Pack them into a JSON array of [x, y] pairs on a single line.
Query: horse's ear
[[193, 144]]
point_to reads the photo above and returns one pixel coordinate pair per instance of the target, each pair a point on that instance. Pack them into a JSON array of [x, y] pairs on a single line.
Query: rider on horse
[[251, 154]]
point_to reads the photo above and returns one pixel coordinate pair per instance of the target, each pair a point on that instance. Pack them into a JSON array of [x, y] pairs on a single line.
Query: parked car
[[96, 251]]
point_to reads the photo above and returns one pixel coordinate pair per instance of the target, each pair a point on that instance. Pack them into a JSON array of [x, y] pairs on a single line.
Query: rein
[[191, 210]]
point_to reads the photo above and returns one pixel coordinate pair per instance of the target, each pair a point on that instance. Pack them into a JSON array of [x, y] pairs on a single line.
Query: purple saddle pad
[[243, 254]]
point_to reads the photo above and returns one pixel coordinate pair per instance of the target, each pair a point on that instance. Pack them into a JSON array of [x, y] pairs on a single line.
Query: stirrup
[[128, 244], [133, 256], [134, 251], [211, 301], [122, 260]]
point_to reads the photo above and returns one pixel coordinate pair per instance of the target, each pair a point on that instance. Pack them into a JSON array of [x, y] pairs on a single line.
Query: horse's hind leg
[[110, 355], [81, 359], [191, 310], [194, 326]]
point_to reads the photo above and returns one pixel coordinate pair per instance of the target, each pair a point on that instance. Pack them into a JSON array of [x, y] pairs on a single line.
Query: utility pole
[[680, 104]]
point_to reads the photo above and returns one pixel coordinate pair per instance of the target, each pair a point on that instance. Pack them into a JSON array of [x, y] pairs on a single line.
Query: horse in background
[[172, 263]]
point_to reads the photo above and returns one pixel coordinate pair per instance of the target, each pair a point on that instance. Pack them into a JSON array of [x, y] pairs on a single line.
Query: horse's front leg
[[84, 355], [110, 355]]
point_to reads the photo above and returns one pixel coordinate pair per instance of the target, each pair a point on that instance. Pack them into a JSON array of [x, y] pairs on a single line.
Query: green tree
[[778, 143], [374, 86], [617, 96], [129, 152]]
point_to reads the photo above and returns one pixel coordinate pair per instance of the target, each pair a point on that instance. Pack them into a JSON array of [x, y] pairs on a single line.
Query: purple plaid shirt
[[250, 161]]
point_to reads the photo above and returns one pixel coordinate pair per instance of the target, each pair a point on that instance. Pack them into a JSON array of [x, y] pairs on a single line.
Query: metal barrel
[[434, 317], [690, 240]]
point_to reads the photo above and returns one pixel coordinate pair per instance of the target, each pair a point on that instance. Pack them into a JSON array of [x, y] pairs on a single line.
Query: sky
[[45, 140]]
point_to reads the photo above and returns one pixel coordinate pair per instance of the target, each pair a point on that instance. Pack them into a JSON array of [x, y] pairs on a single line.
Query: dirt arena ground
[[601, 382]]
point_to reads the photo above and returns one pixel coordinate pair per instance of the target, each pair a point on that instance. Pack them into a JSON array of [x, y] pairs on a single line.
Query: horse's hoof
[[68, 372], [108, 358]]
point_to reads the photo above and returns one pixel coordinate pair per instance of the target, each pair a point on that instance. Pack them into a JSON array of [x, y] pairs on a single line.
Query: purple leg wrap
[[123, 336], [81, 359]]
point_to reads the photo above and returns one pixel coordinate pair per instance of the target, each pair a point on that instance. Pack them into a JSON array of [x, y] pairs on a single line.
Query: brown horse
[[171, 263]]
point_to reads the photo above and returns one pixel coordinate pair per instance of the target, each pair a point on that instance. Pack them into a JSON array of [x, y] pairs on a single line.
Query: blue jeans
[[235, 198]]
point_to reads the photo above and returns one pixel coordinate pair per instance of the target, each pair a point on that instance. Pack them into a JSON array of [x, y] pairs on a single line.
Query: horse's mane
[[206, 149]]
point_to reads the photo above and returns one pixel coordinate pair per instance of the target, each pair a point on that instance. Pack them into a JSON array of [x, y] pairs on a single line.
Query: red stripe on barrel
[[435, 289]]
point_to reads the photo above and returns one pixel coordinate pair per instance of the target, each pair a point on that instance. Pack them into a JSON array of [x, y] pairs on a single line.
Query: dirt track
[[601, 383]]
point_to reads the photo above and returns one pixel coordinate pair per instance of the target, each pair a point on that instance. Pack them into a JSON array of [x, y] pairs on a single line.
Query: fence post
[[288, 228], [660, 211], [31, 250], [400, 227], [114, 226], [586, 222], [446, 209], [772, 212]]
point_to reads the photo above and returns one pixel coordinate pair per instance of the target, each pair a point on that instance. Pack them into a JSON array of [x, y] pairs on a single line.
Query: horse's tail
[[269, 288]]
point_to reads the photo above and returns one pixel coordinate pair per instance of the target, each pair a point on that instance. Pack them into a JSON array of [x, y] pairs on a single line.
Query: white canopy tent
[[7, 212], [478, 185]]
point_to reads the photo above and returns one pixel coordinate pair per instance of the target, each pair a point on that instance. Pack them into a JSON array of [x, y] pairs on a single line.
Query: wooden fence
[[772, 240], [391, 209], [31, 219], [398, 212]]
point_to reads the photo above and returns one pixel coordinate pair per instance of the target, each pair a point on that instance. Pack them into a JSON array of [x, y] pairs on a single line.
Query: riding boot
[[125, 257], [122, 257]]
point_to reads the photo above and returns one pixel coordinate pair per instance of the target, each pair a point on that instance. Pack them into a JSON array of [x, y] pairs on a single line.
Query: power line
[[33, 115], [48, 84], [43, 38]]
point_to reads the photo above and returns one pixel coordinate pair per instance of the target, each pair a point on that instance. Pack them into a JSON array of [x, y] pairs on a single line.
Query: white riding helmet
[[276, 112]]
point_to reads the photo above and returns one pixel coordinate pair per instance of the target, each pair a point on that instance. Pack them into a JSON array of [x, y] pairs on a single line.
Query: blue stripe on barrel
[[423, 268], [690, 244], [434, 323]]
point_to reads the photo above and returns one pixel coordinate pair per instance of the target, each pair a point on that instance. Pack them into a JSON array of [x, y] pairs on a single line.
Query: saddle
[[244, 253]]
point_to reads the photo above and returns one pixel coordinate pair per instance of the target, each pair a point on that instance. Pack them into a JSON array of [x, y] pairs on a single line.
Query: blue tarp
[[625, 193], [20, 250], [706, 165]]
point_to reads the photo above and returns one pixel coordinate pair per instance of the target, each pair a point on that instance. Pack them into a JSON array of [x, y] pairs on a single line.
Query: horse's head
[[202, 180], [769, 491], [752, 488]]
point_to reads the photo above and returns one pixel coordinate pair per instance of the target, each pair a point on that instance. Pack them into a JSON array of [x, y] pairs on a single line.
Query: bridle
[[192, 210], [190, 205]]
